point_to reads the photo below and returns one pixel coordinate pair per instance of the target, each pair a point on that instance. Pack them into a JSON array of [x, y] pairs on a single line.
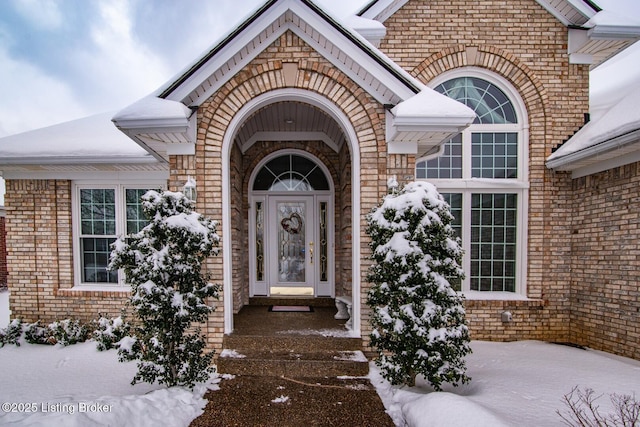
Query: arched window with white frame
[[483, 175]]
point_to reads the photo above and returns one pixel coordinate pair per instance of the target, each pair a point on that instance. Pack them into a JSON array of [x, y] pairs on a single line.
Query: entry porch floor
[[256, 319]]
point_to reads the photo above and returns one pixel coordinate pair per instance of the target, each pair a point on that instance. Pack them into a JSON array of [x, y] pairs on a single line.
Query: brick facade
[[605, 240], [3, 249], [522, 44]]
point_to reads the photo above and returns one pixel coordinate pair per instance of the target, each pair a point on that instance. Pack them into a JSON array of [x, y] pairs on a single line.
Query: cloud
[[31, 98], [43, 14]]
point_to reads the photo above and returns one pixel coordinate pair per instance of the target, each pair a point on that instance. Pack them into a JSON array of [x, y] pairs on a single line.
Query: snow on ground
[[513, 384]]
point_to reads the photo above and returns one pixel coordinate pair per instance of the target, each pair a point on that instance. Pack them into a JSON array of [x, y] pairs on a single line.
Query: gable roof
[[595, 35], [351, 53]]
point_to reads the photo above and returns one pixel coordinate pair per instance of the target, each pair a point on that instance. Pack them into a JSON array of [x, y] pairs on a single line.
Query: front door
[[290, 228], [291, 245]]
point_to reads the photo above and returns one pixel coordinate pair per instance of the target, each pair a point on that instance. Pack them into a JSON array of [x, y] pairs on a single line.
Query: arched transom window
[[290, 172], [482, 173]]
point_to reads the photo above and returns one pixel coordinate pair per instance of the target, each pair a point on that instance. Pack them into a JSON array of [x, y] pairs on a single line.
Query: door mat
[[291, 308]]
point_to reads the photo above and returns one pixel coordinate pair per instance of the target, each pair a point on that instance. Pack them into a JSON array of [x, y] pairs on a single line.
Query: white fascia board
[[153, 112], [614, 32], [107, 176], [78, 160], [383, 9], [594, 153]]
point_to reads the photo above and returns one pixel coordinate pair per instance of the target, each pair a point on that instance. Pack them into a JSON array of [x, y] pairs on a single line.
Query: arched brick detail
[[265, 74], [493, 59], [536, 100]]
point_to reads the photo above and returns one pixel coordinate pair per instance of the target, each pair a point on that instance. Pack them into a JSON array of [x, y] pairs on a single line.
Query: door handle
[[311, 251]]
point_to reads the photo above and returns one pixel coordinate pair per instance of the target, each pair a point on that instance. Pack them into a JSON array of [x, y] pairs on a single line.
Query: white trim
[[120, 205], [468, 185], [289, 136], [240, 117], [264, 196]]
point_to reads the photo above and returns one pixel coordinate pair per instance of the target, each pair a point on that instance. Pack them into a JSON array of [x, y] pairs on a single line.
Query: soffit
[[289, 120]]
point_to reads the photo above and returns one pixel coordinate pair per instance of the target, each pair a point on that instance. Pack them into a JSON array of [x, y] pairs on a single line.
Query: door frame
[[262, 287]]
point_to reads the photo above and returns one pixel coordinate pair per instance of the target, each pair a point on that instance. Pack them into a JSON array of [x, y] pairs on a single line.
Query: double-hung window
[[101, 214], [482, 173]]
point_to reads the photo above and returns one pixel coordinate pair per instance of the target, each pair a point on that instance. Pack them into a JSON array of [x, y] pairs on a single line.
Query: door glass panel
[[259, 242], [323, 243], [291, 241]]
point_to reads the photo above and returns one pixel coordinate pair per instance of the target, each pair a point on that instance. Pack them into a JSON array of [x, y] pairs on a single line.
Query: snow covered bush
[[11, 334], [108, 332], [168, 291], [64, 332], [418, 320]]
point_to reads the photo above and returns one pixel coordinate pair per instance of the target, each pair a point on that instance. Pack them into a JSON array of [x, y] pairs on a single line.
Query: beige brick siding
[[527, 46], [605, 231], [3, 249], [40, 260]]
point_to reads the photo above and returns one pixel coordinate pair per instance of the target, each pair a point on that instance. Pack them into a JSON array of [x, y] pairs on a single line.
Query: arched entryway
[[290, 125], [291, 231]]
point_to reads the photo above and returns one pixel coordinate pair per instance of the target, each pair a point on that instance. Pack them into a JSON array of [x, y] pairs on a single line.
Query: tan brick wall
[[40, 260], [605, 272], [527, 46], [315, 74], [3, 251]]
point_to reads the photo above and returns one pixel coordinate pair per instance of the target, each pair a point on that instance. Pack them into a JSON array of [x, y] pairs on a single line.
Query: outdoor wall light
[[507, 317], [189, 189]]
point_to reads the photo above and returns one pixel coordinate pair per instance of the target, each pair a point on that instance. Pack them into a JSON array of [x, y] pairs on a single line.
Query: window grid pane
[[494, 155], [95, 259], [136, 220], [490, 104], [493, 242], [446, 166], [98, 211], [455, 202]]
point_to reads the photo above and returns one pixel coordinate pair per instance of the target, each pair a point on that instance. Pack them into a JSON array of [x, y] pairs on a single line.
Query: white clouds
[[31, 98], [43, 14]]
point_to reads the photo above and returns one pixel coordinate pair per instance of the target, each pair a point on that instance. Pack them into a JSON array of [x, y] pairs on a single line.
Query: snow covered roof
[[88, 142], [611, 140], [340, 44]]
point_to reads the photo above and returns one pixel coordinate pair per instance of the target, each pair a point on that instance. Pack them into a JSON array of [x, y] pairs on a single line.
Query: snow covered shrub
[[108, 332], [583, 411], [418, 320], [65, 332], [168, 291], [11, 334]]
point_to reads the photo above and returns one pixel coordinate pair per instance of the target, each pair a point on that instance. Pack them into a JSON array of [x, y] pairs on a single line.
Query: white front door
[[290, 245]]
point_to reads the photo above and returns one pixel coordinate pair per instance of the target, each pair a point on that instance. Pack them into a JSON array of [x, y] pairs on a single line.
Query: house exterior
[[291, 126]]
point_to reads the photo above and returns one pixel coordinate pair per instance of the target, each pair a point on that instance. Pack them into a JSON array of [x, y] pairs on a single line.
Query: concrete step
[[298, 344], [330, 363], [314, 302]]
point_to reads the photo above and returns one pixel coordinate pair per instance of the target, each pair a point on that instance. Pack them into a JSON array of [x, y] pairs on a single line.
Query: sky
[[65, 59]]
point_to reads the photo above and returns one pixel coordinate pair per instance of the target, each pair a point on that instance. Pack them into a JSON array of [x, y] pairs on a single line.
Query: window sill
[[95, 291], [494, 296]]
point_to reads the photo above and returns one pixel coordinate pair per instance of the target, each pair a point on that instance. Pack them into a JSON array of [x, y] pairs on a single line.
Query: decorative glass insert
[[494, 155], [290, 172], [493, 242], [446, 166], [259, 241], [97, 229], [490, 104], [136, 220], [291, 218], [324, 243]]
